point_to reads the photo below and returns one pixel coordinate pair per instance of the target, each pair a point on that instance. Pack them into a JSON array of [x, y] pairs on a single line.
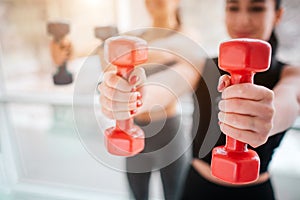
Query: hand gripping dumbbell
[[59, 30], [105, 32], [125, 139], [242, 58]]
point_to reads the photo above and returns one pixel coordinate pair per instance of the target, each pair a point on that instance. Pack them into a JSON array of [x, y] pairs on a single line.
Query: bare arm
[[165, 87], [286, 99], [160, 89], [117, 98]]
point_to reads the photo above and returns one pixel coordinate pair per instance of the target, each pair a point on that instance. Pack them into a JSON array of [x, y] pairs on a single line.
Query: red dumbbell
[[234, 162], [126, 139]]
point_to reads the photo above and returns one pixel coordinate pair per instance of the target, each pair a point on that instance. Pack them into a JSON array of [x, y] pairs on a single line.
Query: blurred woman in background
[[162, 124]]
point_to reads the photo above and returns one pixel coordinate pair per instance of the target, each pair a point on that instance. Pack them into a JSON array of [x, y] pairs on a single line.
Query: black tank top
[[206, 99]]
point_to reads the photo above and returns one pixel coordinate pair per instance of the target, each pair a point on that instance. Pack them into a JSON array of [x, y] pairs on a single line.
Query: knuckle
[[270, 95], [267, 127], [264, 129], [263, 126], [259, 140], [269, 111], [255, 144]]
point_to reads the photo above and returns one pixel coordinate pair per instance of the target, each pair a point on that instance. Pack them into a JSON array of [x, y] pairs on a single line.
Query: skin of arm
[[165, 87], [286, 99]]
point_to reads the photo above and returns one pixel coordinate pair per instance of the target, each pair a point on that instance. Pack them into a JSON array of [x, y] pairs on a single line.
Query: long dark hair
[[273, 39]]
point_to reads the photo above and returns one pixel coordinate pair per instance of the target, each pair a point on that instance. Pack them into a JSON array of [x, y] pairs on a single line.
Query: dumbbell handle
[[237, 78], [127, 124], [124, 71]]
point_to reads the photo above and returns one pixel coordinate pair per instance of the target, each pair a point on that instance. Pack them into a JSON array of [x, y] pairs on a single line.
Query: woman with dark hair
[[241, 108]]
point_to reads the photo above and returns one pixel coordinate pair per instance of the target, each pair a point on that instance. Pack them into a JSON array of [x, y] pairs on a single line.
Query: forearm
[[165, 87], [286, 109], [286, 100]]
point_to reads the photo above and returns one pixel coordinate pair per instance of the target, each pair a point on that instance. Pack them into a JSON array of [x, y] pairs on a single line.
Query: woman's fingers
[[116, 82], [248, 91], [224, 82], [116, 106], [245, 122], [247, 136], [120, 115], [118, 97], [136, 78], [246, 107], [246, 111]]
